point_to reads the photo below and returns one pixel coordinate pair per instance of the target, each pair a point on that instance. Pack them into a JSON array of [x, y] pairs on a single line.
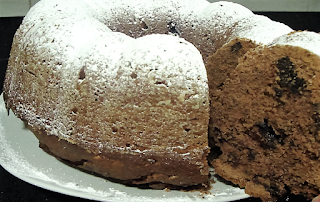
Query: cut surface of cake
[[245, 34], [265, 119]]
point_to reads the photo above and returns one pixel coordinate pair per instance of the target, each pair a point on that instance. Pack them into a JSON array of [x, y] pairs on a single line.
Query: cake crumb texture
[[265, 118]]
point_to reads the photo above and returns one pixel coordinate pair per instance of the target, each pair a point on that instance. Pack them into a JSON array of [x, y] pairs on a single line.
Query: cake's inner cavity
[[269, 137]]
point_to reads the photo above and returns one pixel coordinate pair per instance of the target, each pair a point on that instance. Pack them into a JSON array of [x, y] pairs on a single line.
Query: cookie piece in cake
[[266, 119]]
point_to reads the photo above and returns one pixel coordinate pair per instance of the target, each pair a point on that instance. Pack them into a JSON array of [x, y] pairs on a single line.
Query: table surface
[[14, 189]]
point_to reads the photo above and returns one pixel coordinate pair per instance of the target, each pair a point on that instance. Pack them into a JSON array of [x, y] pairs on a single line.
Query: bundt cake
[[131, 109], [112, 104], [120, 88], [265, 119]]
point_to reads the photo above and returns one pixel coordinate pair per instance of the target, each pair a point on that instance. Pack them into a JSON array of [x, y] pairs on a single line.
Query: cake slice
[[265, 119], [245, 34]]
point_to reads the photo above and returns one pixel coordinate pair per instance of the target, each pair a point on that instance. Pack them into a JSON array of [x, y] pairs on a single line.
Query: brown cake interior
[[265, 119], [225, 60]]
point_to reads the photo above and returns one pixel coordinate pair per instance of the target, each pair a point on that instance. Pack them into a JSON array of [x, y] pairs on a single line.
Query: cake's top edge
[[304, 39], [260, 29]]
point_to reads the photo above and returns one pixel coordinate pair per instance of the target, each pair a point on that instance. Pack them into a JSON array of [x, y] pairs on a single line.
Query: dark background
[[13, 189]]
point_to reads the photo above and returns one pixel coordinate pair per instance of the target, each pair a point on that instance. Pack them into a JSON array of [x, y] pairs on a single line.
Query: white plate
[[21, 156]]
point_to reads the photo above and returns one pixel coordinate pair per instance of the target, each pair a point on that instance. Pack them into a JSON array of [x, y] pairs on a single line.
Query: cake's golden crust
[[131, 169], [266, 122]]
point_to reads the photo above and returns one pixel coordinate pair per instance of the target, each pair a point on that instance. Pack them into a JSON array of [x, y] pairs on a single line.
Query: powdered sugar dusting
[[305, 39], [227, 12], [259, 29], [213, 25], [168, 67]]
